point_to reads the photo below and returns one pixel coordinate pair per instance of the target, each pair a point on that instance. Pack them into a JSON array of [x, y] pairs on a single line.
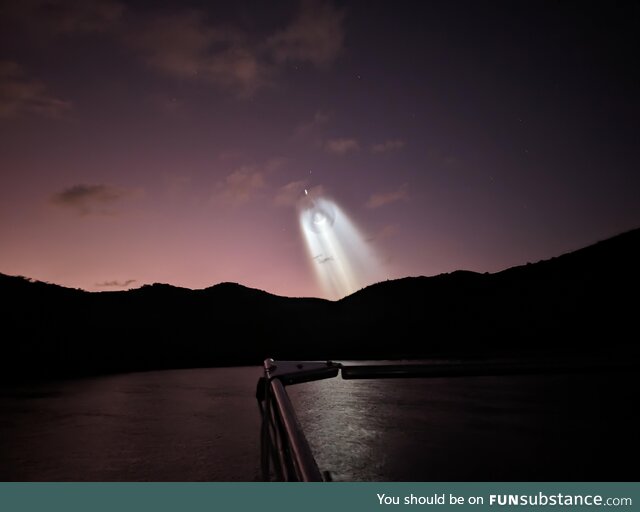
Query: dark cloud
[[116, 284], [20, 94], [321, 258], [89, 199]]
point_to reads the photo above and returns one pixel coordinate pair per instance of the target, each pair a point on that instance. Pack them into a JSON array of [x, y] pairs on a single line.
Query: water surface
[[182, 425], [203, 424]]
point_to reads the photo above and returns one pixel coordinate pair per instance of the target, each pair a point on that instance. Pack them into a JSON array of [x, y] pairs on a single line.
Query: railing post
[[304, 463]]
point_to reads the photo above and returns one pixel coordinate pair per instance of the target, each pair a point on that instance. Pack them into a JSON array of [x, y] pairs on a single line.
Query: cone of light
[[341, 258]]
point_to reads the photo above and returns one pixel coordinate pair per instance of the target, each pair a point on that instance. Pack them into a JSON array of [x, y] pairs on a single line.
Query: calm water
[[203, 424]]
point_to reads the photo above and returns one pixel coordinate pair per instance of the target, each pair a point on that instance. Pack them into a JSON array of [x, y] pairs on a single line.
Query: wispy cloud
[[384, 198], [291, 193], [116, 284], [341, 146], [313, 126], [387, 231], [188, 45], [20, 94], [387, 146], [241, 185], [90, 199], [316, 35], [66, 17], [245, 182], [80, 16]]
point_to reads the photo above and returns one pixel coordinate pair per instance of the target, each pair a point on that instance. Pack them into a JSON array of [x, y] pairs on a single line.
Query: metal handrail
[[285, 451]]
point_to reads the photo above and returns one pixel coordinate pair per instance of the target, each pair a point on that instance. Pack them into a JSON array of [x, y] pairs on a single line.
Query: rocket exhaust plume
[[341, 258]]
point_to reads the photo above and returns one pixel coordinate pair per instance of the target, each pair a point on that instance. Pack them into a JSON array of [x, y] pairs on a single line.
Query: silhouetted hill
[[549, 307]]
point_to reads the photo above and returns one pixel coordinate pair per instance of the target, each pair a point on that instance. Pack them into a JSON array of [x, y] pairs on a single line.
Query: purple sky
[[147, 142]]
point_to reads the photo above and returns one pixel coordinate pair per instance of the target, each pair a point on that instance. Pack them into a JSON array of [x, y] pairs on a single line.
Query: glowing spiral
[[319, 217]]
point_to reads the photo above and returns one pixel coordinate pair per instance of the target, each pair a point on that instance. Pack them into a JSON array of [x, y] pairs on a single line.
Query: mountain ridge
[[230, 284], [549, 307]]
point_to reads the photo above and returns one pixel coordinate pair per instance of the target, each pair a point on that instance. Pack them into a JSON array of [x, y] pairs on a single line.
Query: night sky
[[173, 142]]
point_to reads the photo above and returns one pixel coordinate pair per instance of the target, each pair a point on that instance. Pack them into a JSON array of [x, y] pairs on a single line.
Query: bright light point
[[306, 192], [342, 260]]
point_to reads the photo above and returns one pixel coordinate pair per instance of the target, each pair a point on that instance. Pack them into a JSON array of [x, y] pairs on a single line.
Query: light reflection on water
[[203, 424], [482, 428]]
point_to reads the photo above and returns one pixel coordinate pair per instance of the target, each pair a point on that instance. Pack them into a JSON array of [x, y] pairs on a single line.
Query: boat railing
[[285, 451]]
